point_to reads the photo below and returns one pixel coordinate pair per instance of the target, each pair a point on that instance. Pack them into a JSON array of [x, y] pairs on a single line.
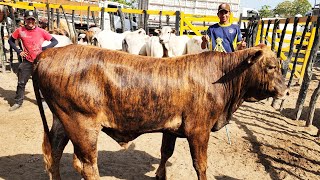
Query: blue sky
[[256, 4]]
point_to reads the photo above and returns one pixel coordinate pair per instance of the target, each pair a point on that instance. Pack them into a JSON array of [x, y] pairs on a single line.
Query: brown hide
[[126, 95]]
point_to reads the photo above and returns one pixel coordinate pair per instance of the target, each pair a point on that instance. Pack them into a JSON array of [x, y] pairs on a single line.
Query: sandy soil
[[266, 144]]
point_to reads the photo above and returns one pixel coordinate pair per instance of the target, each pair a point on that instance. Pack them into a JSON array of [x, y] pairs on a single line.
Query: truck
[[196, 7], [117, 20]]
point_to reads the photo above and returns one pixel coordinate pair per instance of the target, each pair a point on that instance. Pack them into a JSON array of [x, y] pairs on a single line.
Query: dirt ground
[[266, 144]]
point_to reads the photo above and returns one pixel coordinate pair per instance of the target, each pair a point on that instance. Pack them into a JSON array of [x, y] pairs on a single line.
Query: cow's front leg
[[198, 143], [167, 148]]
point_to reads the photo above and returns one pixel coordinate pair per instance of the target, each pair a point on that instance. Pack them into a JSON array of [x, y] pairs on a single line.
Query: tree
[[265, 11], [284, 9], [301, 6], [290, 9], [126, 2]]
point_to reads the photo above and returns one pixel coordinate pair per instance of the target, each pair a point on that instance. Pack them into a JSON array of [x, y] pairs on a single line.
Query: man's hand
[[242, 44], [23, 54], [205, 40]]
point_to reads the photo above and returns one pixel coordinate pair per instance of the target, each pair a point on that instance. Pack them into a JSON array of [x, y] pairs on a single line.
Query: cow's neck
[[234, 71]]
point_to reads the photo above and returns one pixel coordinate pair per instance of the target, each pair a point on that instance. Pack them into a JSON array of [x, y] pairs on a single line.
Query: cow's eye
[[271, 67]]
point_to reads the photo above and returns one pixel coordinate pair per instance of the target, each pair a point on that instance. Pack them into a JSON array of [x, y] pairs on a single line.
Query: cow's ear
[[158, 31], [141, 31], [173, 31], [257, 55]]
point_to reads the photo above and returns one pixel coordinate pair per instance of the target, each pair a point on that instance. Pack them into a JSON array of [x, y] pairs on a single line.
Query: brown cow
[[91, 89]]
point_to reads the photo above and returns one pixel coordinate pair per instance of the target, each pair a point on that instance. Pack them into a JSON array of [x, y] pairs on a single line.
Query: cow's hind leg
[[85, 157], [167, 148], [198, 143], [53, 151]]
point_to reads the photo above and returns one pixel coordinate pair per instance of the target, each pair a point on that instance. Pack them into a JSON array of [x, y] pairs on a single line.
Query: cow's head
[[265, 79], [165, 34]]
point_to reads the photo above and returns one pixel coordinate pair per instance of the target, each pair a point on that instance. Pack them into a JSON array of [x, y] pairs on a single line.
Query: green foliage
[[129, 3], [290, 9], [265, 11]]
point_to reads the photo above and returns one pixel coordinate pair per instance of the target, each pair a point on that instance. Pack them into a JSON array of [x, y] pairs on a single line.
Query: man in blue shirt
[[225, 37]]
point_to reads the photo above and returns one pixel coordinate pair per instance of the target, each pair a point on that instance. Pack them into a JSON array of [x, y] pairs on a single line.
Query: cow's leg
[[198, 143], [167, 148], [59, 140], [84, 139]]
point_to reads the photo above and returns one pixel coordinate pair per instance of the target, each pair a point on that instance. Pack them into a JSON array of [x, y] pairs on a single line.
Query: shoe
[[14, 107]]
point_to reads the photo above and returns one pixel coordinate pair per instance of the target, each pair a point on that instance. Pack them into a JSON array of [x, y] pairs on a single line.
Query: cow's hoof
[[160, 178]]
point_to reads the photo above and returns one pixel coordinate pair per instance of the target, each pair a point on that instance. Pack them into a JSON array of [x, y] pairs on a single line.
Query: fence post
[[274, 32], [102, 19], [308, 75], [121, 19], [88, 15], [177, 24]]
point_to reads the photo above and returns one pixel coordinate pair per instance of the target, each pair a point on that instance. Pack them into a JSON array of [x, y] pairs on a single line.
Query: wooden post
[[177, 24], [293, 37], [130, 21], [308, 75], [267, 31], [102, 19], [58, 18], [52, 15], [121, 19], [284, 72], [312, 104], [94, 18], [287, 61], [160, 21], [261, 34], [74, 39], [50, 25], [274, 33], [112, 26], [298, 50], [254, 33], [282, 38], [145, 21], [88, 15]]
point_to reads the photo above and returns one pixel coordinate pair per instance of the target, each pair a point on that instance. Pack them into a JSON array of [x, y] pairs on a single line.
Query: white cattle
[[154, 47], [135, 42], [175, 45], [194, 45], [91, 33], [110, 40], [62, 41]]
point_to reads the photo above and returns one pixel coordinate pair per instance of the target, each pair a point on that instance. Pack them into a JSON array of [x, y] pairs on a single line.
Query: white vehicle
[[117, 20]]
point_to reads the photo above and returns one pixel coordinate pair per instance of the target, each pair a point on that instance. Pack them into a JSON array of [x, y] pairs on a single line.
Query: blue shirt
[[230, 34]]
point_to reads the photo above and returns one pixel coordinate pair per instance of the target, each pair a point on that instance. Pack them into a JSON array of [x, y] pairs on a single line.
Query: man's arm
[[12, 43], [53, 42]]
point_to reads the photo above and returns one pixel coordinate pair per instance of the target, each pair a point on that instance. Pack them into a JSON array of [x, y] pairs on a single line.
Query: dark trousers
[[24, 73]]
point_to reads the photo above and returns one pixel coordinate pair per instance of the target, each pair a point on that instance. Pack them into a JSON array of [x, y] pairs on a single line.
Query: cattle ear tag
[[255, 57]]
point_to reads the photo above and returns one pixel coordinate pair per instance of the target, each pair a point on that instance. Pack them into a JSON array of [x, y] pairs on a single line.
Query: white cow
[[194, 45], [62, 41], [135, 42], [175, 45], [110, 40], [154, 47]]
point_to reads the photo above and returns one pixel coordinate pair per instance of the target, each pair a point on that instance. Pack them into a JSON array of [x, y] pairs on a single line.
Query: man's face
[[30, 23], [224, 16]]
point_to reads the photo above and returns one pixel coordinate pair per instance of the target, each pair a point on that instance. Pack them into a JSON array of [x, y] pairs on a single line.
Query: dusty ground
[[266, 144]]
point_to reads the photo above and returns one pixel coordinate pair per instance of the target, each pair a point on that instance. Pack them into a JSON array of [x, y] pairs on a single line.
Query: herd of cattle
[[91, 89], [166, 44]]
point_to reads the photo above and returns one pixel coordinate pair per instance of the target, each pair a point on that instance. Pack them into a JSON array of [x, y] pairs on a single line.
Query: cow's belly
[[127, 130]]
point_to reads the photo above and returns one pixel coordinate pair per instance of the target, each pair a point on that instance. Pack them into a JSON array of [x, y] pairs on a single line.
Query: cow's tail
[[46, 145]]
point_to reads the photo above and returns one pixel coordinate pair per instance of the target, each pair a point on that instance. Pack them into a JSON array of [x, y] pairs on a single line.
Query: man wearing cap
[[224, 36], [32, 38]]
